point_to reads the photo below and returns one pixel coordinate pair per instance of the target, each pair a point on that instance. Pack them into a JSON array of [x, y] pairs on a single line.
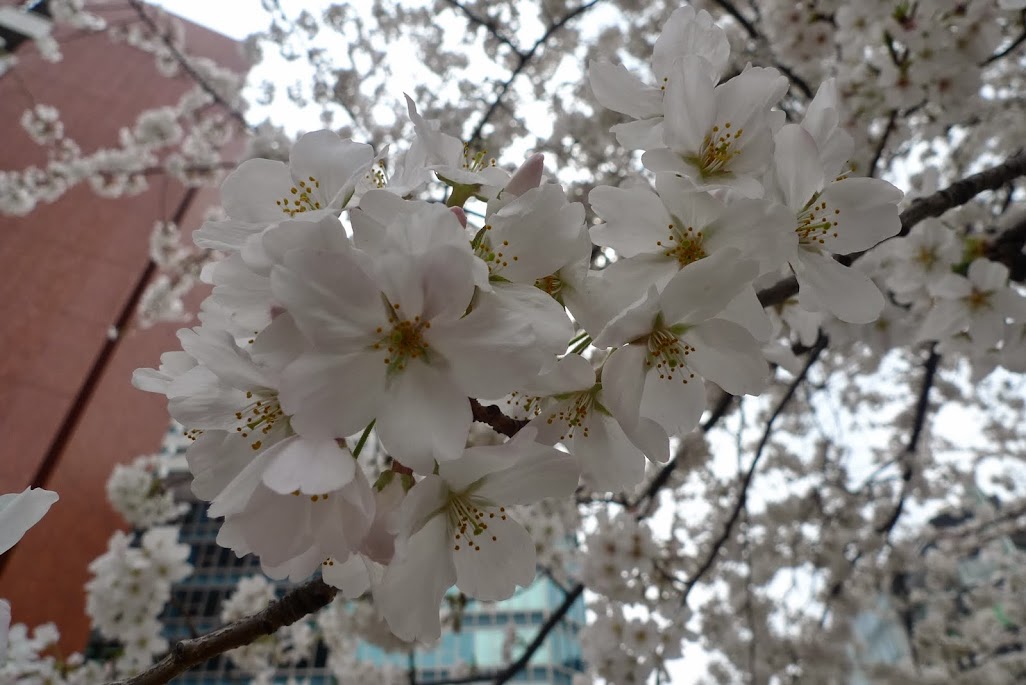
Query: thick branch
[[742, 498], [955, 195], [493, 416], [302, 601]]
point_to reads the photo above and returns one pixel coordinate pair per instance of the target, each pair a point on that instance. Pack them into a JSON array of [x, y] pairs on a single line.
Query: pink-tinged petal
[[618, 89], [704, 288], [490, 565], [671, 402], [609, 460], [334, 163], [311, 467], [623, 380], [298, 568], [642, 134], [214, 459], [415, 582], [635, 219], [250, 192], [20, 511], [332, 299], [351, 577], [798, 172], [528, 176], [864, 211], [727, 354], [425, 417], [689, 106], [534, 472], [825, 284], [330, 396]]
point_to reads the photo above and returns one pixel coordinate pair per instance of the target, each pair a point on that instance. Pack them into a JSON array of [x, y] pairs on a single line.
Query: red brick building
[[70, 271]]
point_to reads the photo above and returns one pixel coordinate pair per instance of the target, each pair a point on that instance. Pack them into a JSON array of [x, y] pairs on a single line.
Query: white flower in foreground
[[319, 180], [391, 340], [685, 33], [673, 340], [832, 217], [20, 511], [454, 529], [568, 405], [719, 136]]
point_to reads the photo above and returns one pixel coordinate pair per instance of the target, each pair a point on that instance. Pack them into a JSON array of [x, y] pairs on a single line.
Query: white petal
[[673, 404], [249, 193], [689, 106], [642, 134], [702, 289], [635, 219], [797, 166], [609, 461], [490, 565], [623, 379], [336, 164], [20, 511], [333, 396], [635, 321], [727, 354], [424, 418], [310, 466], [351, 577], [215, 459], [847, 293], [415, 582], [539, 472], [618, 89], [236, 495]]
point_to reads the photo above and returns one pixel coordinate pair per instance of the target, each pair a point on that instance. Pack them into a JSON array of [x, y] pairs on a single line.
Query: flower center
[[469, 522], [305, 198], [684, 244], [720, 146], [978, 299], [573, 412], [553, 284], [927, 257], [497, 257], [405, 340], [258, 417], [667, 355], [476, 161], [816, 222]]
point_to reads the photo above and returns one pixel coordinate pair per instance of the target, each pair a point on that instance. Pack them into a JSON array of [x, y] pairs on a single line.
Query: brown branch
[[494, 417], [488, 24], [300, 602], [955, 195], [523, 59], [186, 66], [1007, 249], [1007, 51], [882, 143], [742, 498]]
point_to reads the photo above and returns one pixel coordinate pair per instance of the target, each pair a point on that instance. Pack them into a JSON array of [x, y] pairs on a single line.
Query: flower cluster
[[136, 492], [344, 305], [130, 587]]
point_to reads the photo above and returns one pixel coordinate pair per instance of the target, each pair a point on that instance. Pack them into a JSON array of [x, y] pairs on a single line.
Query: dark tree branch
[[955, 195], [742, 498], [493, 416], [882, 143], [1007, 51], [488, 24], [1007, 249], [303, 600], [907, 459], [186, 66], [522, 61]]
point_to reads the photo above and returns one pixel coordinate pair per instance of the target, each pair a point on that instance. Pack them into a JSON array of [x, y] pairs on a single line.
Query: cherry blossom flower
[[20, 511], [454, 529], [979, 302]]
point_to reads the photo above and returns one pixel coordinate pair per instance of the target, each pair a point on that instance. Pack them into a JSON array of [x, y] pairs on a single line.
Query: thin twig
[[488, 24], [742, 498]]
